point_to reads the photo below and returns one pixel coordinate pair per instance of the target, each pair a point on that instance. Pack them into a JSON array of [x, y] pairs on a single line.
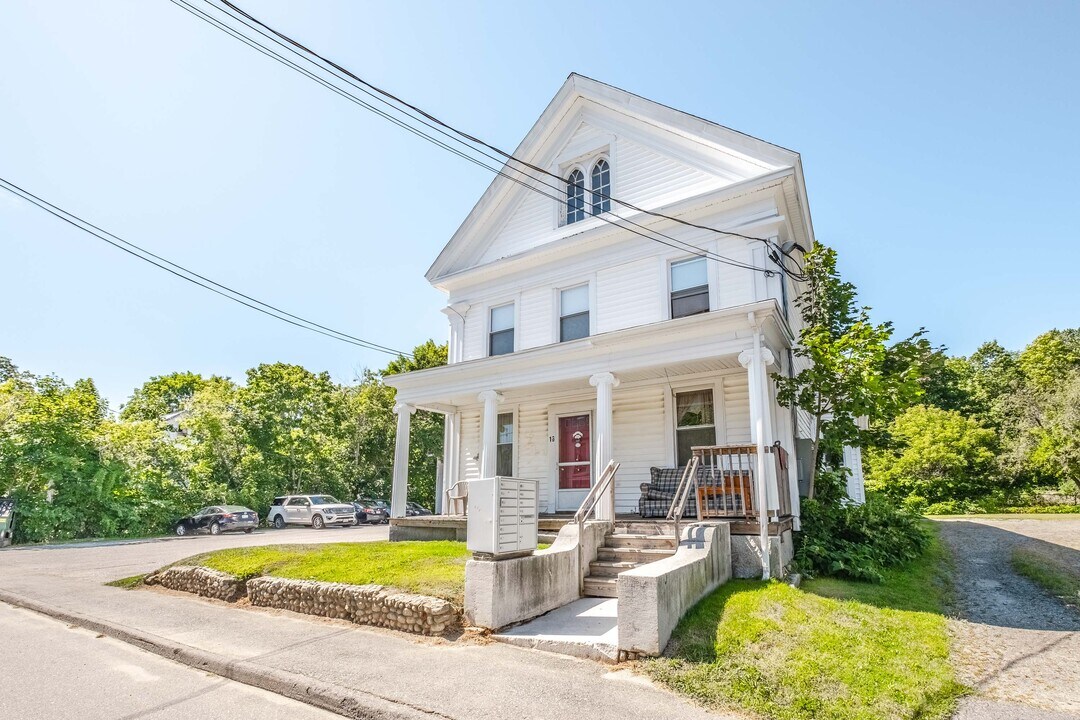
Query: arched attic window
[[575, 197], [601, 187]]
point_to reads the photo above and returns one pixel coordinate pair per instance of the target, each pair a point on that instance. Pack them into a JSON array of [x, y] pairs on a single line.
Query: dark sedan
[[218, 519], [367, 511]]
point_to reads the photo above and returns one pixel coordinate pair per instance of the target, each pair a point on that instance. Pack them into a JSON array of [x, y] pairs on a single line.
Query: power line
[[189, 275], [255, 44], [472, 138]]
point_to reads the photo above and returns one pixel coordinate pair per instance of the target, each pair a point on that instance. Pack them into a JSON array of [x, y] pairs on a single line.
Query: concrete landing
[[586, 628]]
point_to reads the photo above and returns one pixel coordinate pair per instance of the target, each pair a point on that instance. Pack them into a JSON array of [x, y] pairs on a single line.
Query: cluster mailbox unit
[[502, 517]]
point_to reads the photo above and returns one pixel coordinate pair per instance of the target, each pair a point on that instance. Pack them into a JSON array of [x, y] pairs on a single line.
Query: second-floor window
[[689, 288], [501, 333], [574, 313], [601, 187]]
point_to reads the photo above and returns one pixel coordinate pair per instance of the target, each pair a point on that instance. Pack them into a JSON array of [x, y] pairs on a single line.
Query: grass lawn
[[429, 568], [1047, 568], [833, 650]]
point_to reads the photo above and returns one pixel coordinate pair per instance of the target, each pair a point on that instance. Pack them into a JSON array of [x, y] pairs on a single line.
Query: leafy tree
[[164, 394], [852, 372], [1049, 358], [937, 455], [1048, 434]]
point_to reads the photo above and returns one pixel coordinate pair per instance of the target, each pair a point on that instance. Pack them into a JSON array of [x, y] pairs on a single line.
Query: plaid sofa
[[656, 495]]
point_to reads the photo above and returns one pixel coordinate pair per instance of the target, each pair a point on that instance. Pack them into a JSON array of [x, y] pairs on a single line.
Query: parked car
[[376, 508], [414, 508], [318, 511], [370, 513], [218, 519]]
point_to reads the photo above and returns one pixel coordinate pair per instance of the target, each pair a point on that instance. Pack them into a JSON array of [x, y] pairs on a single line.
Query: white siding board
[[470, 444], [737, 408], [639, 440], [531, 447], [537, 317], [628, 295]]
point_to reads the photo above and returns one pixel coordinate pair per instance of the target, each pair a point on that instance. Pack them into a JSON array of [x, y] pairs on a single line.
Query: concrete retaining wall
[[400, 533], [200, 581], [746, 555], [503, 592], [654, 597]]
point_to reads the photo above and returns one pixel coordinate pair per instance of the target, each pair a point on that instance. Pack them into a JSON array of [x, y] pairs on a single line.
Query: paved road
[[51, 670], [400, 675], [1014, 642]]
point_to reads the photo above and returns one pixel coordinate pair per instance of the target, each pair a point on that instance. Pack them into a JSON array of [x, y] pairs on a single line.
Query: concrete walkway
[[586, 628], [354, 671]]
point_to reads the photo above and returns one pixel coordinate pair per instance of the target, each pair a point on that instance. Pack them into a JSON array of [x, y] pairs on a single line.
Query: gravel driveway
[[1013, 642]]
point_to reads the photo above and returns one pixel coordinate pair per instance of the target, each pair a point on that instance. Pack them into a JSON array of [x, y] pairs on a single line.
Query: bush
[[857, 541]]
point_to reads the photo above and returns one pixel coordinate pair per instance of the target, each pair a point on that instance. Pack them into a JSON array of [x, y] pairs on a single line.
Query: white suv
[[318, 511]]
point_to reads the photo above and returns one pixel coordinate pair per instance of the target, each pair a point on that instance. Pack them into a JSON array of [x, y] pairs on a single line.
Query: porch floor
[[552, 523], [586, 628]]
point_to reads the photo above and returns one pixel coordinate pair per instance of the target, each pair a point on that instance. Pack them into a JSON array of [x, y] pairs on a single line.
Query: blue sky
[[939, 141]]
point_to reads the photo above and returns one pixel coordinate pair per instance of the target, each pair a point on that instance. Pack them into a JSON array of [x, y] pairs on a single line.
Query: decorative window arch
[[575, 196], [601, 187]]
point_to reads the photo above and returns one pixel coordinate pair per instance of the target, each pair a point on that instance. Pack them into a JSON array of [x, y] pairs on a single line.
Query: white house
[[575, 339]]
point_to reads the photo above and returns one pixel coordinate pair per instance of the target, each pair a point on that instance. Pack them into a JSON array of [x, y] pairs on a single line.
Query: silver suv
[[318, 511]]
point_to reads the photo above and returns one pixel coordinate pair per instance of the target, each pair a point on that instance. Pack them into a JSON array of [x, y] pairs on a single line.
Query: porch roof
[[699, 343]]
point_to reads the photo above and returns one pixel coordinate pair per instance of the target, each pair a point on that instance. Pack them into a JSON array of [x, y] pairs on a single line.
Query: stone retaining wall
[[363, 604], [199, 580]]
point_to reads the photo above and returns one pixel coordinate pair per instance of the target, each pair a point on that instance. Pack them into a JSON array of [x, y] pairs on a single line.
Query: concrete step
[[636, 555], [601, 587], [610, 568], [637, 540], [543, 537], [638, 527]]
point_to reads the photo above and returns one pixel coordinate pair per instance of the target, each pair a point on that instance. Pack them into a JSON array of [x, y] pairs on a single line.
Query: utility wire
[[189, 275], [255, 44], [508, 156]]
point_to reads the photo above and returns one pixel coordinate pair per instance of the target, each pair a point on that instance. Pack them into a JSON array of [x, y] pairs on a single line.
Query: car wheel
[[279, 522], [181, 530], [317, 522], [215, 529], [247, 531]]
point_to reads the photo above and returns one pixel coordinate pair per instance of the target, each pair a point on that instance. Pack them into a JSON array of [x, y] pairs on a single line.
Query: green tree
[[164, 394], [852, 372], [936, 455]]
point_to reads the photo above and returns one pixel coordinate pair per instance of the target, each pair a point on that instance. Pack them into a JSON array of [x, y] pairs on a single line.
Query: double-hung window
[[695, 424], [504, 445], [689, 288], [501, 333], [574, 313]]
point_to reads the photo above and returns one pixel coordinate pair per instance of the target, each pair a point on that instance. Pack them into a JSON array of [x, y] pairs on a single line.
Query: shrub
[[857, 541]]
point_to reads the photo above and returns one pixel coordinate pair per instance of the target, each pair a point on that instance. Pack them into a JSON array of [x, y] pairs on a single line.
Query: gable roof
[[561, 120]]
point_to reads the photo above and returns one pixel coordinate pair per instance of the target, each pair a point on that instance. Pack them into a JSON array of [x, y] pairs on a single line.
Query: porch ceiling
[[702, 343]]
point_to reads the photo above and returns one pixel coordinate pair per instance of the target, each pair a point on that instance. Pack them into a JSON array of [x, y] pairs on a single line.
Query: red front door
[[575, 452]]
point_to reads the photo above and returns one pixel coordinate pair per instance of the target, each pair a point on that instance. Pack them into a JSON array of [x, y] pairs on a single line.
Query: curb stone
[[359, 704]]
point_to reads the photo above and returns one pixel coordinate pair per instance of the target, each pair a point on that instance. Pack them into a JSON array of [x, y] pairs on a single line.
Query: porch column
[[755, 361], [400, 490], [451, 460], [490, 430], [604, 384]]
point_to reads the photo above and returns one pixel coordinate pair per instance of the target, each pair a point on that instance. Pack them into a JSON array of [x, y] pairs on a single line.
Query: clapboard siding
[[628, 295], [533, 457], [537, 317], [470, 444], [643, 175], [805, 421], [736, 408], [639, 431]]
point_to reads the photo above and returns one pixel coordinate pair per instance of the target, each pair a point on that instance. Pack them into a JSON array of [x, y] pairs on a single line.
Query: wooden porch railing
[[726, 483]]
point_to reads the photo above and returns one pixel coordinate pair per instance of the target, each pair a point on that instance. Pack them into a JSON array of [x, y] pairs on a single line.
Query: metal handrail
[[682, 494], [596, 492], [587, 506]]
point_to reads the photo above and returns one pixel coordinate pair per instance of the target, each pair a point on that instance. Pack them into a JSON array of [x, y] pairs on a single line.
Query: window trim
[[583, 158], [588, 285], [516, 303], [584, 209], [719, 419], [512, 412], [593, 162], [670, 295]]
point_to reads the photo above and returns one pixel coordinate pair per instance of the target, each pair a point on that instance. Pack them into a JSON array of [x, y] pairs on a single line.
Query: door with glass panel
[[574, 466]]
